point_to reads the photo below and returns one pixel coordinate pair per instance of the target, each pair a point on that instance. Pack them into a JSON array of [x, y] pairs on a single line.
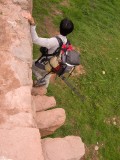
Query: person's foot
[[39, 83]]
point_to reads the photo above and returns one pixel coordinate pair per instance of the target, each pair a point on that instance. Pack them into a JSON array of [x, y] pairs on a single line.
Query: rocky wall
[[24, 114], [19, 136]]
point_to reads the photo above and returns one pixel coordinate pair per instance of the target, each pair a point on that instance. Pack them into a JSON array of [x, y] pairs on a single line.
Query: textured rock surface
[[15, 64], [43, 102], [25, 4], [15, 43], [15, 67], [19, 99], [12, 119], [68, 148], [49, 121], [39, 91], [20, 144]]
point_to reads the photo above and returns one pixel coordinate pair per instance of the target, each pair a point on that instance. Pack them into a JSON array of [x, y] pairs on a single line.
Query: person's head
[[66, 27]]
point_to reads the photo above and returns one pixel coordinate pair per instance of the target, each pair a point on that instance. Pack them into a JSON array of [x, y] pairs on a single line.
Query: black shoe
[[40, 82]]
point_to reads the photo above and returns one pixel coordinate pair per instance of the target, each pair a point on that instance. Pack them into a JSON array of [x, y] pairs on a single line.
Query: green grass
[[97, 34]]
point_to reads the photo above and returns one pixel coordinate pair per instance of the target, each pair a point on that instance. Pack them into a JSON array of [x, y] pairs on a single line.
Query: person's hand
[[28, 16]]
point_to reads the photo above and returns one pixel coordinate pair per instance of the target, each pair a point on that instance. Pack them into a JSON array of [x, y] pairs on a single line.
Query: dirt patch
[[113, 121], [65, 3], [79, 70], [50, 27], [90, 153], [55, 11]]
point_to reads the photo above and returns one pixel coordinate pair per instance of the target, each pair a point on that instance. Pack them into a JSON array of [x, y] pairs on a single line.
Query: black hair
[[66, 26]]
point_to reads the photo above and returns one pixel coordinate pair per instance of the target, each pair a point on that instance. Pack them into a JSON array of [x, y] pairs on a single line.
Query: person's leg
[[44, 80], [47, 80], [39, 73]]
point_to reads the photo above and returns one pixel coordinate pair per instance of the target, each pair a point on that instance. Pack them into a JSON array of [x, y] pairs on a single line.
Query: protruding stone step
[[39, 91], [68, 148], [49, 121], [43, 102], [20, 144]]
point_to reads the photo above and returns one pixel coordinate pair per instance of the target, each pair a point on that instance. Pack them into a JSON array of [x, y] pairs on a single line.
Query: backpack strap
[[44, 51], [57, 51], [59, 41]]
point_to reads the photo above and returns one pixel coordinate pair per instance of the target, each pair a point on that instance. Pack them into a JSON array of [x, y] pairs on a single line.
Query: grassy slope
[[97, 28]]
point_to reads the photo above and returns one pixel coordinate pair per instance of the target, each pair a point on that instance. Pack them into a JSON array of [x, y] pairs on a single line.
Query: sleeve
[[44, 42]]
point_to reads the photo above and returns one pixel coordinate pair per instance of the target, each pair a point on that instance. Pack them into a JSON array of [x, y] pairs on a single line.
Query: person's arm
[[29, 17], [44, 42]]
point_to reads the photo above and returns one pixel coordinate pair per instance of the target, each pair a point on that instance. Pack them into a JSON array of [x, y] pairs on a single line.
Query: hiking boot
[[39, 83]]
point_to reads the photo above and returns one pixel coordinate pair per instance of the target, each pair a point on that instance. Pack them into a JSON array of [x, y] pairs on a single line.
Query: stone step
[[50, 120], [39, 91], [68, 148], [20, 144], [43, 102]]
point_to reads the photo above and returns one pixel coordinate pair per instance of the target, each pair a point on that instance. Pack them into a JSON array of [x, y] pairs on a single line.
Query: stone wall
[[24, 117], [19, 136]]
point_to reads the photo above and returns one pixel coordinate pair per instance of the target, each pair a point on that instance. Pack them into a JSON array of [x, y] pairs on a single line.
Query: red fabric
[[67, 47], [57, 68], [64, 47]]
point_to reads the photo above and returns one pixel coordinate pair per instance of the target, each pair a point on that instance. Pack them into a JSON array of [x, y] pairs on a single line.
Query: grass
[[97, 28]]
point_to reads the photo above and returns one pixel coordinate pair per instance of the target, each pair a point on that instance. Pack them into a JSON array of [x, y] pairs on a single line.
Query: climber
[[66, 27]]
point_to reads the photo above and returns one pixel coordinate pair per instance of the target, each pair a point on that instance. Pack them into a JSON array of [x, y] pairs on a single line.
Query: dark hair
[[66, 26]]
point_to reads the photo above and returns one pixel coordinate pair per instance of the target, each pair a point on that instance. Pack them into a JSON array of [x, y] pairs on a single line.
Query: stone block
[[19, 99], [39, 91], [68, 148], [50, 120], [42, 103], [9, 120], [20, 144]]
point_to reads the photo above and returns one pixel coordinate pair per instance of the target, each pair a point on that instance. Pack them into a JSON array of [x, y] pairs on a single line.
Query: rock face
[[15, 38], [49, 121], [42, 103], [39, 91], [19, 136], [68, 148], [18, 99], [15, 108], [15, 71], [20, 144]]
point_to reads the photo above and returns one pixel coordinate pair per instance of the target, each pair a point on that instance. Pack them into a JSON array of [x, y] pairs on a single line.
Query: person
[[65, 28]]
